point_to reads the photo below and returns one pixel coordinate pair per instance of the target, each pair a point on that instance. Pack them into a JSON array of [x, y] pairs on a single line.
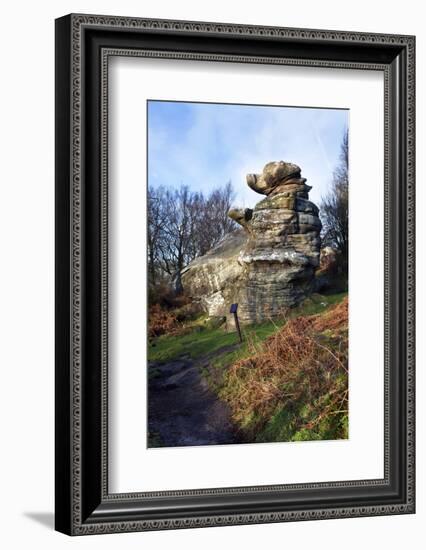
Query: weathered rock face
[[215, 278], [270, 264]]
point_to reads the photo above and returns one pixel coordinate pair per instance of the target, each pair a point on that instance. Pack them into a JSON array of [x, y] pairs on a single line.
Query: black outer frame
[[83, 505]]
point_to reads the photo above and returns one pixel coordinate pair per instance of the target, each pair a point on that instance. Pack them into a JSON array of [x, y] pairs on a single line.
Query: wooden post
[[233, 310]]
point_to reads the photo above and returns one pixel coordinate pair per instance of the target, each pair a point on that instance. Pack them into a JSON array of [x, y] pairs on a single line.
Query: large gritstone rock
[[270, 265], [214, 279]]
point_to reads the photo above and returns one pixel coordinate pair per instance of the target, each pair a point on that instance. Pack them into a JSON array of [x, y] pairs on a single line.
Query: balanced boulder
[[269, 265]]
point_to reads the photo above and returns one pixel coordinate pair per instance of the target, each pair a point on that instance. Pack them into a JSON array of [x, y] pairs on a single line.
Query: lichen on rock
[[268, 265]]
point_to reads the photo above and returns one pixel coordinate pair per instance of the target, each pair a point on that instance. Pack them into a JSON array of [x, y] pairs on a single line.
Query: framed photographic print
[[234, 274]]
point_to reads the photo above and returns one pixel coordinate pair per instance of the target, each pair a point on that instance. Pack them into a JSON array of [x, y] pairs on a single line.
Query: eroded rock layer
[[269, 265]]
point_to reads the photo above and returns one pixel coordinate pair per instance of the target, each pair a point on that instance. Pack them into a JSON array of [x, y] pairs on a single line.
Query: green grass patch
[[200, 342], [284, 425], [200, 339], [287, 419], [194, 344], [317, 303]]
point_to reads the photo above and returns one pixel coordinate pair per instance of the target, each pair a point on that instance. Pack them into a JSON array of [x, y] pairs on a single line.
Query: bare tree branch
[[183, 225], [334, 208]]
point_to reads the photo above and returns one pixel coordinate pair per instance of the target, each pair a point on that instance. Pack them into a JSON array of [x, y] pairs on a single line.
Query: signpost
[[233, 310]]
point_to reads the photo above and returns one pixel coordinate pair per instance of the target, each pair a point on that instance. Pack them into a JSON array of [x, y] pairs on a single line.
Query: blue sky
[[204, 145]]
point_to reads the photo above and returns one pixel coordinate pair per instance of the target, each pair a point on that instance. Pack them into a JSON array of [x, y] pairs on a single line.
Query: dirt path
[[182, 410]]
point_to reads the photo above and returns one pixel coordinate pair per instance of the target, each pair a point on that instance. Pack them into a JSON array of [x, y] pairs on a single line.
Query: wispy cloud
[[206, 145]]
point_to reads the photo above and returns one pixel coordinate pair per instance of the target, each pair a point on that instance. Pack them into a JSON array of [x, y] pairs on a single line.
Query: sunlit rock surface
[[269, 264]]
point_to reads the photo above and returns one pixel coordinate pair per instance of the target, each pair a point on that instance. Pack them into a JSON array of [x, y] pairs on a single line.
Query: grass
[[199, 340], [287, 381], [194, 344], [255, 335], [294, 385], [284, 425]]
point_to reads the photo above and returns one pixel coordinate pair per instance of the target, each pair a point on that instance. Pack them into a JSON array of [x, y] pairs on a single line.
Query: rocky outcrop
[[268, 265], [215, 279]]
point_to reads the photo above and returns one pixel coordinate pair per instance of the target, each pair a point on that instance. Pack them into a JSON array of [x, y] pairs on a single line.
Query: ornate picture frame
[[84, 44]]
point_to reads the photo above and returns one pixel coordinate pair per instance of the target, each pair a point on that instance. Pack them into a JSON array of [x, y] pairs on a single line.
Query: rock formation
[[269, 265]]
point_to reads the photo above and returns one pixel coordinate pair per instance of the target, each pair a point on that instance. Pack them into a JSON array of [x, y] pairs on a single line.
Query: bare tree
[[334, 208], [182, 225], [213, 221], [156, 218]]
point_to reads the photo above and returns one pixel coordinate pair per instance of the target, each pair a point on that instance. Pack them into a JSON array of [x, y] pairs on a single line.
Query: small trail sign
[[233, 310]]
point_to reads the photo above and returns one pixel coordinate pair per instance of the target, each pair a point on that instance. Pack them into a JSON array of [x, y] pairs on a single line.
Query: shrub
[[294, 385], [159, 293], [172, 321], [163, 294], [161, 321], [168, 311], [187, 312]]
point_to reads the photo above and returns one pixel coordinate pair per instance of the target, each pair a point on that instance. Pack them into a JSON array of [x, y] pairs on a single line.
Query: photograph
[[234, 261], [247, 273]]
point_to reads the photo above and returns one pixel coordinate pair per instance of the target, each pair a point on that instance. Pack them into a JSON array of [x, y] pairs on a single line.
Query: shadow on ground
[[47, 519]]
